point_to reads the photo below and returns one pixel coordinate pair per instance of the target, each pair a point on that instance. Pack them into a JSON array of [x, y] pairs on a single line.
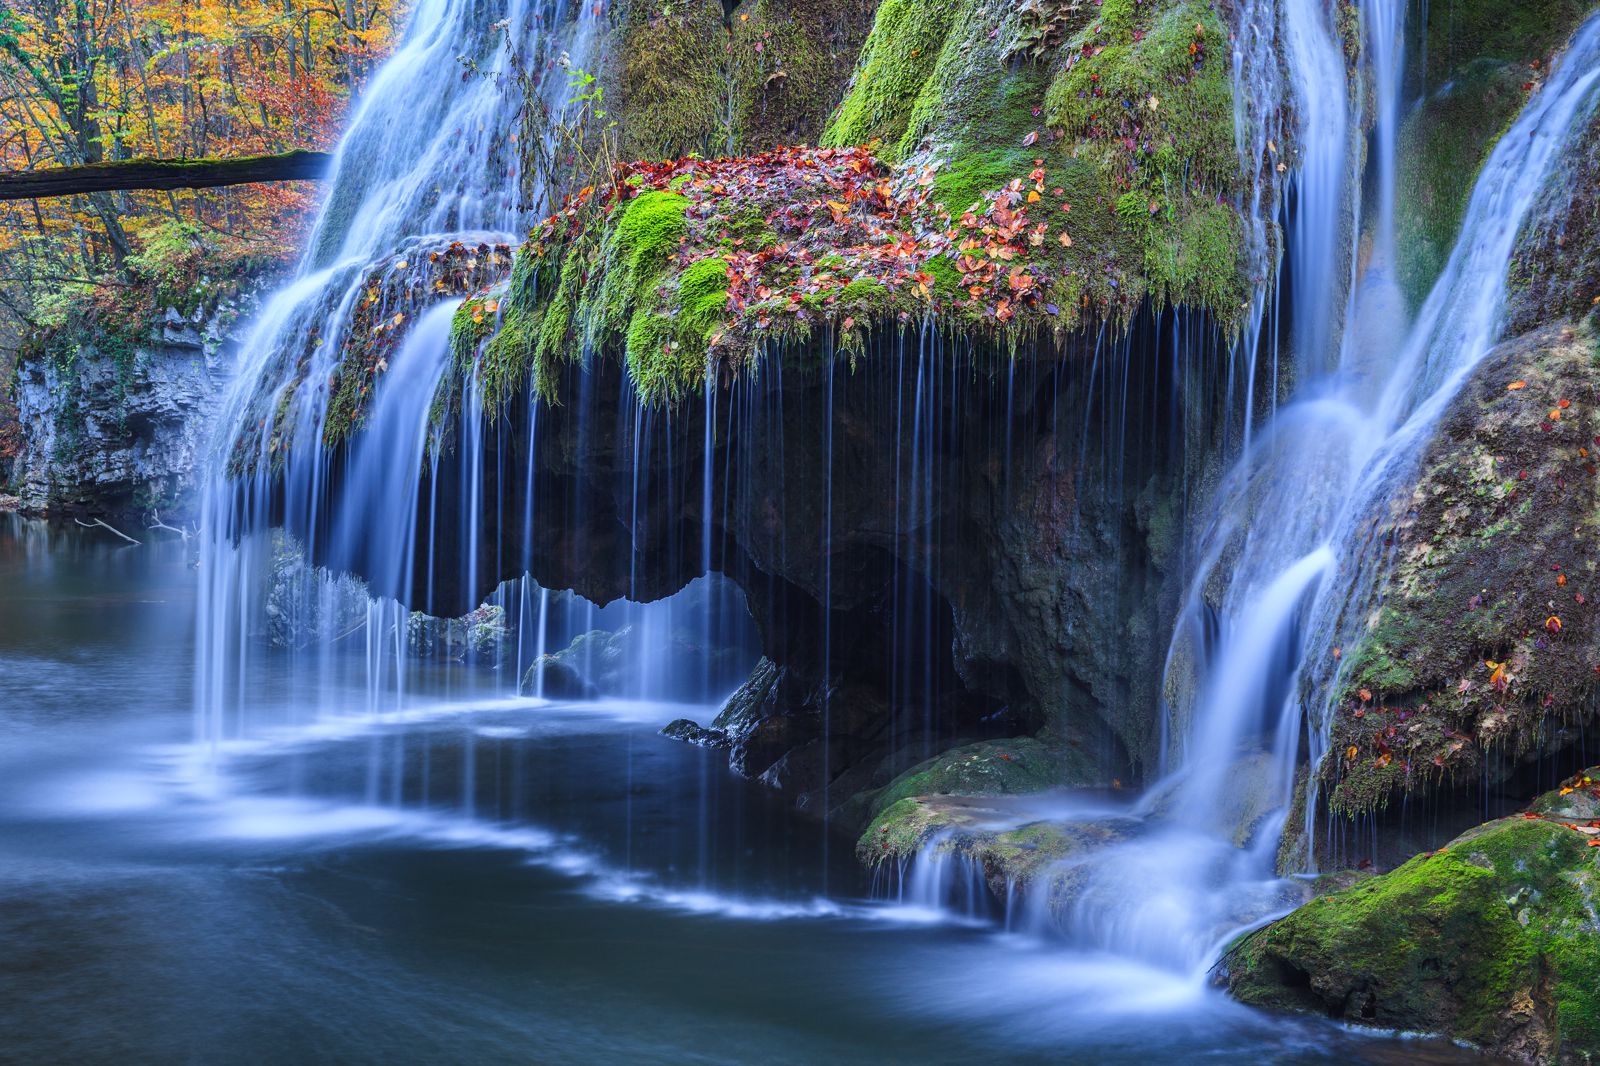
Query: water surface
[[477, 879]]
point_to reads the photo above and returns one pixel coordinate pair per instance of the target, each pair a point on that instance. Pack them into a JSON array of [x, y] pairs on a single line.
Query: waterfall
[[410, 495], [1280, 556], [427, 200]]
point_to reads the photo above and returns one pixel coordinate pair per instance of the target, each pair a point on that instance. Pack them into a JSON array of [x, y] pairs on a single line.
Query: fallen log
[[162, 174]]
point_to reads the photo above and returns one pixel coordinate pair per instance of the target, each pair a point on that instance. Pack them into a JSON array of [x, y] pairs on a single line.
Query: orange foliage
[[85, 81]]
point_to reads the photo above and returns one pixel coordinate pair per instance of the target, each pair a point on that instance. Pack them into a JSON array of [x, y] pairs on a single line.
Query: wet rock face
[[1493, 939], [1556, 270], [935, 546], [118, 429], [1480, 651]]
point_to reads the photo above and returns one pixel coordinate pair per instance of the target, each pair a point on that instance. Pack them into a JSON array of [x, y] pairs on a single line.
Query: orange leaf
[[1516, 386]]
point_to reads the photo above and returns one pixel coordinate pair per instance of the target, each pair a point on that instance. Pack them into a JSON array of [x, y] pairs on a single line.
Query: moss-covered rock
[[1484, 635], [691, 266], [1474, 63], [988, 768], [1493, 939], [967, 798], [1023, 179], [1453, 35], [1447, 139], [677, 84], [1555, 271], [1123, 111]]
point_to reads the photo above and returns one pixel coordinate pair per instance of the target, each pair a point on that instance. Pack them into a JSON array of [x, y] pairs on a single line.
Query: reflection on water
[[473, 879]]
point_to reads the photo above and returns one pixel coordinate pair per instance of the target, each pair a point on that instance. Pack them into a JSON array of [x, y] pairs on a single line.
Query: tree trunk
[[162, 174]]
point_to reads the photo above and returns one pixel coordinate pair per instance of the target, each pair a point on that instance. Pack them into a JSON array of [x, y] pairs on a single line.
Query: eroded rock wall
[[115, 426]]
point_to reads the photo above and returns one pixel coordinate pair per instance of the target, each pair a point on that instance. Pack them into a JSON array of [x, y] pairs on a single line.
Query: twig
[[103, 524], [157, 523]]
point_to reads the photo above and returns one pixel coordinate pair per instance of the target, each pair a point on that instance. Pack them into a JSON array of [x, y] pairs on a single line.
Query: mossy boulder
[[974, 800], [1123, 110], [1446, 141], [1474, 63], [677, 84], [1482, 636], [1494, 939], [1451, 36], [1555, 271], [987, 768]]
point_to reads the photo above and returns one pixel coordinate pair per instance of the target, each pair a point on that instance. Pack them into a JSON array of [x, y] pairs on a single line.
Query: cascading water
[[426, 202], [1284, 526], [1199, 852], [1196, 857]]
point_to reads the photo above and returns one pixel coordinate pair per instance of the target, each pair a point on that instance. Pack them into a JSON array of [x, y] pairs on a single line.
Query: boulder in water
[[561, 681], [692, 732], [1492, 939]]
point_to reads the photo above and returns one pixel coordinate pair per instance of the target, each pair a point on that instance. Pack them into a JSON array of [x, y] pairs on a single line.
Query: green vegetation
[[1127, 110], [1493, 939], [894, 73], [1481, 635], [680, 85], [1447, 141], [1463, 31]]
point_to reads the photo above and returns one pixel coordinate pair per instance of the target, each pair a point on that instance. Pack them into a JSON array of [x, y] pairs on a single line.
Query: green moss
[[677, 84], [1447, 140], [703, 294], [895, 67], [1463, 31], [1181, 100], [1483, 549], [1467, 940], [1127, 74], [987, 768]]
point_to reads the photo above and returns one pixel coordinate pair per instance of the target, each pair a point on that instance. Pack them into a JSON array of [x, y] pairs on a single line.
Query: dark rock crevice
[[937, 544]]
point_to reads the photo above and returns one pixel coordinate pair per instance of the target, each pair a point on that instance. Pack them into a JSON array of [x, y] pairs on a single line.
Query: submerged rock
[[983, 801], [691, 732], [557, 679], [1493, 939]]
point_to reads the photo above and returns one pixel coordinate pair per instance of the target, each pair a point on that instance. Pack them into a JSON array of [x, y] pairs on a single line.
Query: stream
[[591, 893]]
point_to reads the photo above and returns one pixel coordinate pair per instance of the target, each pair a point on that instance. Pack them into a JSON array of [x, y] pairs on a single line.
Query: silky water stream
[[341, 848], [154, 912]]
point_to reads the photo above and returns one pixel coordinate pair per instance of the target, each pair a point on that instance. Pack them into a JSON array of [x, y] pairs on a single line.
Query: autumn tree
[[85, 82]]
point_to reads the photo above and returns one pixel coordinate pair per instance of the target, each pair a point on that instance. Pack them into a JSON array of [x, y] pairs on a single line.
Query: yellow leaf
[[400, 316]]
